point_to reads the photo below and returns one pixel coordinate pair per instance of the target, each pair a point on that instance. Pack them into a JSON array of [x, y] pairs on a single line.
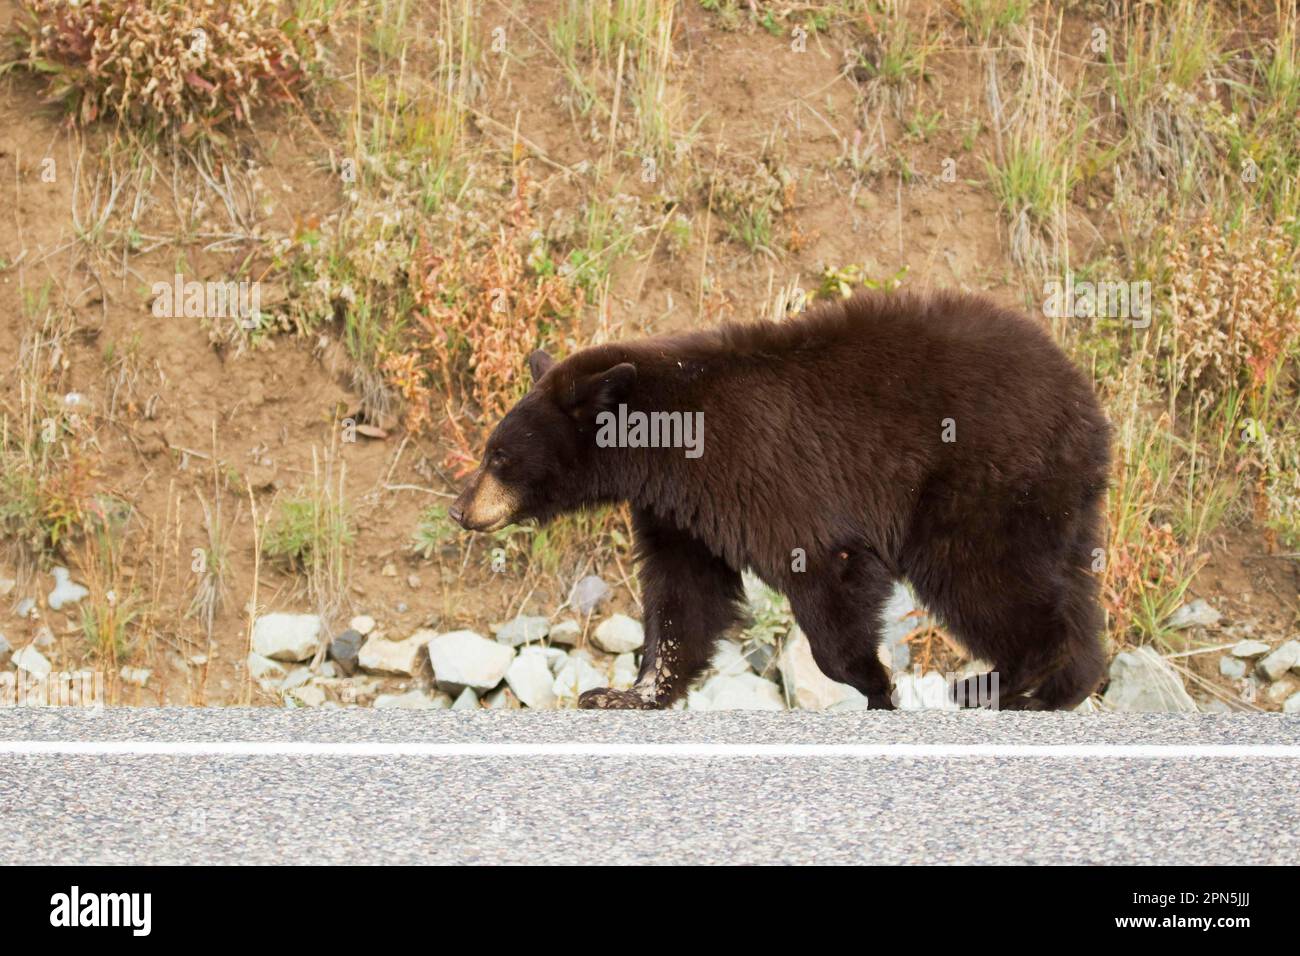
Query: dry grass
[[479, 312], [192, 68], [47, 474], [1233, 309], [440, 263]]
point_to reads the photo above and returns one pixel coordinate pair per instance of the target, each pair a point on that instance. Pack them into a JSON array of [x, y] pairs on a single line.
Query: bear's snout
[[486, 504]]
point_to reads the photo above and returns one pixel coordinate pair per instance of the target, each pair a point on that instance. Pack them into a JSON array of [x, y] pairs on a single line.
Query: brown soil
[[265, 413]]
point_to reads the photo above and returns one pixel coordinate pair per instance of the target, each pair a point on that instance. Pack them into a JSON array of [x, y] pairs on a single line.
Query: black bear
[[939, 439]]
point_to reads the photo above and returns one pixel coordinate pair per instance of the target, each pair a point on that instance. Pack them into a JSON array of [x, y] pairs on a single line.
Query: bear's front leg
[[690, 597], [837, 602]]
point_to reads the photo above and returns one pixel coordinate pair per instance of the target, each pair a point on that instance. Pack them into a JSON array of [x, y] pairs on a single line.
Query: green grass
[[1158, 73], [1035, 178], [605, 233], [893, 61], [305, 530], [752, 228], [433, 531], [986, 20], [617, 57]]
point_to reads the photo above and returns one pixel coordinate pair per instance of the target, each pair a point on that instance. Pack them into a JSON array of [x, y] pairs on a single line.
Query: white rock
[[525, 629], [363, 624], [530, 677], [6, 649], [736, 692], [758, 595], [7, 586], [761, 656], [296, 678], [465, 659], [33, 662], [729, 658], [263, 668], [1292, 704], [286, 637], [588, 593], [382, 656], [1232, 667], [1194, 614], [849, 704], [1249, 649], [567, 631], [1280, 690], [411, 700], [1142, 681], [1280, 661], [914, 691], [497, 700], [899, 618], [138, 676], [625, 671], [577, 675], [805, 685], [619, 634], [66, 591], [468, 700], [309, 695], [555, 658]]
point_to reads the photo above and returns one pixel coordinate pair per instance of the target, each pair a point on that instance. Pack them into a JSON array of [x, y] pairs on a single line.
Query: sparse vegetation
[[892, 61], [194, 69], [987, 20], [448, 190], [480, 309], [312, 531], [433, 531], [303, 530]]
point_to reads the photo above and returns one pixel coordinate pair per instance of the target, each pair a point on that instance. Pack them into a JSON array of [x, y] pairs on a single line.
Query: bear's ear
[[539, 363], [599, 391]]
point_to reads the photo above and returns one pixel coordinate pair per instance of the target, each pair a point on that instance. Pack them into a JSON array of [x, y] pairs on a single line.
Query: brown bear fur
[[824, 437]]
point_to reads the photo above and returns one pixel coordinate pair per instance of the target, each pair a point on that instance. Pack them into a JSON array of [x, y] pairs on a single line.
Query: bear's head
[[538, 461]]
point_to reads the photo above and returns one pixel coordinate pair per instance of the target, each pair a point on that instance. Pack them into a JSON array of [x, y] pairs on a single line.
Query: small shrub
[[433, 531], [1279, 484], [305, 531], [479, 311], [1234, 314], [176, 63]]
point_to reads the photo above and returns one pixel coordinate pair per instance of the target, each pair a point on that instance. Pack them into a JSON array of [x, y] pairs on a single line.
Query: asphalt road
[[364, 786]]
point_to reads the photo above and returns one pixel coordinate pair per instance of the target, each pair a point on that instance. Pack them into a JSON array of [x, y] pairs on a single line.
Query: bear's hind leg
[[1082, 660], [1042, 636], [689, 597], [837, 602]]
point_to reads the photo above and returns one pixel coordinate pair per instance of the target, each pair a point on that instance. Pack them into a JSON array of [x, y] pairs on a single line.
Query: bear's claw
[[606, 698]]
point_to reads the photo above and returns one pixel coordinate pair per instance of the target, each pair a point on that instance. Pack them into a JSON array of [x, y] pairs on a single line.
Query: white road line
[[290, 748]]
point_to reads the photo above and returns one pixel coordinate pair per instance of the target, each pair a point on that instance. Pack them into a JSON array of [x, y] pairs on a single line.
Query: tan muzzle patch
[[486, 505]]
